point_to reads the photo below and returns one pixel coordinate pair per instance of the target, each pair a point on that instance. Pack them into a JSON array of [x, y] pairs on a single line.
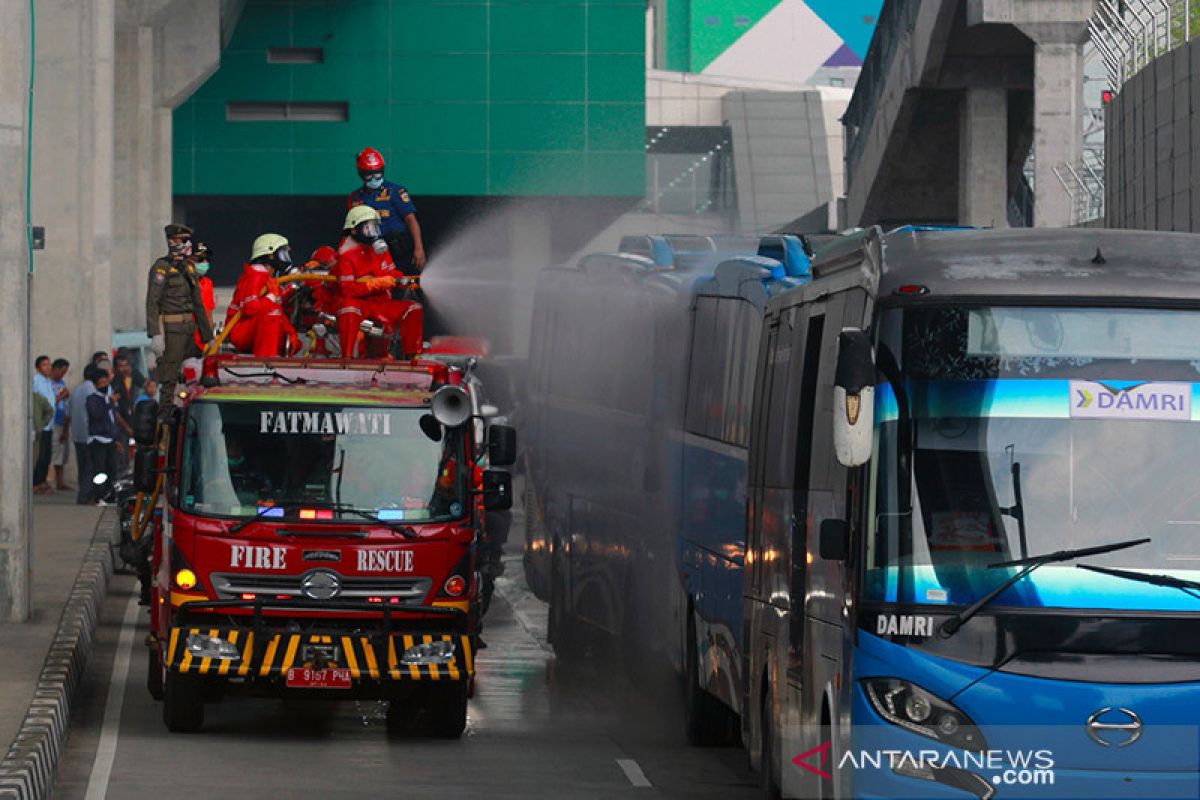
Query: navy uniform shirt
[[391, 201]]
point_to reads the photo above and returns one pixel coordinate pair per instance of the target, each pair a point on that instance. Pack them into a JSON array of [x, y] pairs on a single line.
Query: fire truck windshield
[[318, 462]]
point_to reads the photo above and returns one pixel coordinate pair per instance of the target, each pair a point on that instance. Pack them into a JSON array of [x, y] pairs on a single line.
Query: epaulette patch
[[160, 276]]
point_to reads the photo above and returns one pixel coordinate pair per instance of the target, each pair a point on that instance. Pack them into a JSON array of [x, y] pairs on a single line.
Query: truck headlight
[[439, 652], [201, 645], [924, 713]]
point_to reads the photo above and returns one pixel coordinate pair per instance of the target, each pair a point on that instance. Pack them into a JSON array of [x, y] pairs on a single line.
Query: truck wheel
[[183, 703], [154, 672], [707, 720], [403, 718], [446, 708]]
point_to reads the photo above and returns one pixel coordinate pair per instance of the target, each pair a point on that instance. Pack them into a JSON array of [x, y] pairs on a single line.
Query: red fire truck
[[317, 533]]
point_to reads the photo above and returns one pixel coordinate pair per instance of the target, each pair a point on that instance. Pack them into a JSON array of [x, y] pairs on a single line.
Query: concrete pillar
[[72, 178], [1057, 127], [137, 223], [1058, 29], [15, 359], [983, 158]]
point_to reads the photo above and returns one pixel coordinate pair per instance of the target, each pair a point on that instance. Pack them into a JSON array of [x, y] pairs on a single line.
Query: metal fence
[[1129, 34], [1084, 184]]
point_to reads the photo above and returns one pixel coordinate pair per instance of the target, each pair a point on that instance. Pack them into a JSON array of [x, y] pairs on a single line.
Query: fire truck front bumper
[[204, 642], [238, 653]]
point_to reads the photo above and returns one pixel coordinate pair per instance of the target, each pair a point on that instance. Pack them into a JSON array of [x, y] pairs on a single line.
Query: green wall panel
[[464, 97]]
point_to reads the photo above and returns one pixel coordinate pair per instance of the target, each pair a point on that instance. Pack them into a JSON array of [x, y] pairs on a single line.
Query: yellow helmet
[[267, 245], [358, 215]]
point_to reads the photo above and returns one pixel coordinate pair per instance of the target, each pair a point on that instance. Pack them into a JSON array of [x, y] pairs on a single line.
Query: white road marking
[[110, 730], [633, 772]]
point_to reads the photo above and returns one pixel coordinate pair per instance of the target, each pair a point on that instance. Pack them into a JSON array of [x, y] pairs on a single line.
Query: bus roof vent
[[789, 251], [655, 248]]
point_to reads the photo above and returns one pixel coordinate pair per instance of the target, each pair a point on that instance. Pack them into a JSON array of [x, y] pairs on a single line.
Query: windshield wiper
[[951, 626], [398, 527], [1154, 578], [262, 512]]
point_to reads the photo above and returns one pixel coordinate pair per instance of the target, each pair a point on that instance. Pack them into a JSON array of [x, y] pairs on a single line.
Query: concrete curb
[[28, 769]]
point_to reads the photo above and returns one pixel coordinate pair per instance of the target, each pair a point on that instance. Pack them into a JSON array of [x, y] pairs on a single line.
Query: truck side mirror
[[853, 399], [502, 445], [835, 539], [497, 490], [144, 475], [145, 423]]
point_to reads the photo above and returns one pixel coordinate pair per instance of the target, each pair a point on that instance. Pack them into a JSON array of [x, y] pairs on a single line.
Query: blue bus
[[973, 566], [637, 428]]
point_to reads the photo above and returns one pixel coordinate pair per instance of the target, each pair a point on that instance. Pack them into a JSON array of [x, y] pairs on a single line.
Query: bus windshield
[[319, 461], [1008, 432]]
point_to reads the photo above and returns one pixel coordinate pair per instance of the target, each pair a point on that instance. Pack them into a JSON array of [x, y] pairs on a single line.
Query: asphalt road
[[532, 732]]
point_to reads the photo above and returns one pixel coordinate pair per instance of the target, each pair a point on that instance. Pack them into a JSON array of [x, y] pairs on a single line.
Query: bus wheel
[[564, 631], [183, 703], [769, 782], [154, 672], [446, 707], [707, 722]]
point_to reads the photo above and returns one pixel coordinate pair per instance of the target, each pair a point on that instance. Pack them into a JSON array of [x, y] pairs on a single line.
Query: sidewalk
[[62, 533]]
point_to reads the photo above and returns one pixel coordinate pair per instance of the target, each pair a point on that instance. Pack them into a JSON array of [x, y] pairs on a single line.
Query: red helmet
[[323, 257], [369, 160]]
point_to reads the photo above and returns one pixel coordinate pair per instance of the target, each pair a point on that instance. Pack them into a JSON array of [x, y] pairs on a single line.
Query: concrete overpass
[[953, 96]]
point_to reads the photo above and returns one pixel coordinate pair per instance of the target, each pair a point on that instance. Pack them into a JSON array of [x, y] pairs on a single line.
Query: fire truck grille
[[233, 586]]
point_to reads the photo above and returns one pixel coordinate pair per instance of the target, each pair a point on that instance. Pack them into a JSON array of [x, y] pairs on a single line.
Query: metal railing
[[896, 20], [1084, 184], [1129, 34]]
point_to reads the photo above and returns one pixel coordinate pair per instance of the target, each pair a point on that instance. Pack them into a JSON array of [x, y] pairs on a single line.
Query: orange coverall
[[262, 326]]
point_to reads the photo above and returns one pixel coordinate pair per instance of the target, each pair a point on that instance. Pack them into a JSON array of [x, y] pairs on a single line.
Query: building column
[[1057, 127], [983, 158], [136, 224], [1058, 29], [15, 426], [72, 190]]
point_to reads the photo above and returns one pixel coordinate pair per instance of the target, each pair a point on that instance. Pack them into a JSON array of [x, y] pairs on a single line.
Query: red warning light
[[1106, 96]]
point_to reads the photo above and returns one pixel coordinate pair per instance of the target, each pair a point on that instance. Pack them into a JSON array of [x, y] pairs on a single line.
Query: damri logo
[[1144, 401], [353, 423]]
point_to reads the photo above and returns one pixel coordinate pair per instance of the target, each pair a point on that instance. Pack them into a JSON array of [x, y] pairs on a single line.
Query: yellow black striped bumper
[[278, 652]]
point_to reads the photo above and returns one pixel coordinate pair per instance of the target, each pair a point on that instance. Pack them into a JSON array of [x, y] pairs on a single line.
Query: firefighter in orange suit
[[365, 276], [262, 328]]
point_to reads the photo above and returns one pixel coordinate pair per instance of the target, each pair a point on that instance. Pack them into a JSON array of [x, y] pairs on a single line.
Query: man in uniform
[[174, 311], [397, 213]]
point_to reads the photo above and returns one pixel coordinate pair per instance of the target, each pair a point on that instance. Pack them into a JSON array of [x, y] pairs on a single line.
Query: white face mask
[[379, 246], [373, 182]]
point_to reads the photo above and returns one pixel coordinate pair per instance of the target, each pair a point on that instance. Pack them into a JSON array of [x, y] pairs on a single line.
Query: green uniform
[[174, 309]]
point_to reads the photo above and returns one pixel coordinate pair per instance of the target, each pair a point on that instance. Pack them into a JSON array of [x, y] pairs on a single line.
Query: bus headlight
[[924, 713]]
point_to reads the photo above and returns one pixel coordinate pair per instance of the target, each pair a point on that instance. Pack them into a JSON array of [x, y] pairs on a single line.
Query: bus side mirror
[[853, 399], [497, 490], [144, 475], [835, 540], [145, 423], [502, 445]]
